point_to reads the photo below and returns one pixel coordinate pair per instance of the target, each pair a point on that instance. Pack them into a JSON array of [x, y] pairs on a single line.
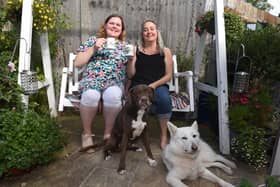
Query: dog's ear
[[195, 126], [129, 96], [172, 128]]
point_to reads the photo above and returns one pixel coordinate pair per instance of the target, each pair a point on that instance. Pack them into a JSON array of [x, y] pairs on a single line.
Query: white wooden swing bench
[[70, 88]]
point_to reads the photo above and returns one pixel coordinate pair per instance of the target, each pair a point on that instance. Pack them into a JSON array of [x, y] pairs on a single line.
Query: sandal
[[87, 143]]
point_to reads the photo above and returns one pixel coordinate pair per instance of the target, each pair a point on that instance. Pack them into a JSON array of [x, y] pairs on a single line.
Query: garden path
[[72, 169]]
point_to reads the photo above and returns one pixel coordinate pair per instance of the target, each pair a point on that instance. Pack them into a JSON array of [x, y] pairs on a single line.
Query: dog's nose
[[194, 147], [144, 100]]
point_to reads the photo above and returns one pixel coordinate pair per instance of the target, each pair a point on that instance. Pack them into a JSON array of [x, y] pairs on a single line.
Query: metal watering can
[[242, 72]]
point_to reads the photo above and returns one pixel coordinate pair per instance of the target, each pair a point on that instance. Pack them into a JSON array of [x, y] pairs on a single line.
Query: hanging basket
[[29, 82], [242, 77]]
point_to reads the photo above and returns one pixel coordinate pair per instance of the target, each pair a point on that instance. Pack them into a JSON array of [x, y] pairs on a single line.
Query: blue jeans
[[162, 106]]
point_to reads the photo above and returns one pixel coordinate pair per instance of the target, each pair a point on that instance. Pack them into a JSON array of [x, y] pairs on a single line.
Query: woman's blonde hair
[[160, 43], [102, 30]]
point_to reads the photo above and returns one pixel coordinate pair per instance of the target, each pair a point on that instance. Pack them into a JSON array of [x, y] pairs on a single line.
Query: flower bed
[[250, 114]]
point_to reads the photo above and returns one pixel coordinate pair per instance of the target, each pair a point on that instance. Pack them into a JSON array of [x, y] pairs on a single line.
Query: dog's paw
[[122, 171], [228, 170], [229, 185], [152, 162], [139, 149], [233, 165], [226, 184]]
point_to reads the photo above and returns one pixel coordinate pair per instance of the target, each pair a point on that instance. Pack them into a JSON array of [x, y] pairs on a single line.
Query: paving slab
[[74, 169]]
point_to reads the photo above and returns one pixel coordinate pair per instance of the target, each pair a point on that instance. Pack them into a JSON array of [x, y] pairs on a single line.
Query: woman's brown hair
[[102, 31]]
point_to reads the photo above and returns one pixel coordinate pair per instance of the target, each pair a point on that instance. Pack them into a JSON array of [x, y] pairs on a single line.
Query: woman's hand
[[99, 44], [153, 85]]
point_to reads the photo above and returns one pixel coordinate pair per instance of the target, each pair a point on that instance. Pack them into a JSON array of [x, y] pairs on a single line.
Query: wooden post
[[275, 160], [25, 42], [222, 89], [25, 55], [222, 77], [47, 66]]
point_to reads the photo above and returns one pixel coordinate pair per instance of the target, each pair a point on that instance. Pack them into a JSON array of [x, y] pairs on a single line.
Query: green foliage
[[184, 63], [249, 145], [250, 115], [47, 14], [10, 92], [272, 181], [251, 109], [206, 22], [262, 46], [234, 27], [27, 139], [245, 183]]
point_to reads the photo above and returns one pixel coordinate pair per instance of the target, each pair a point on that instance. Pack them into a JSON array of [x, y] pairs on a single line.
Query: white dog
[[188, 157]]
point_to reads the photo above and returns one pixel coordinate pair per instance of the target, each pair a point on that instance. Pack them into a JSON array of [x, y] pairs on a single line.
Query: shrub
[[27, 139], [245, 183], [262, 46]]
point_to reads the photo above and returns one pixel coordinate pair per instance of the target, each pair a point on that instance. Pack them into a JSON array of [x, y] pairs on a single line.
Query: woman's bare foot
[[87, 143]]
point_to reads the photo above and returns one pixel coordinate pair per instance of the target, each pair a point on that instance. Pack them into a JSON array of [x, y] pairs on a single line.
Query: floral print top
[[105, 68]]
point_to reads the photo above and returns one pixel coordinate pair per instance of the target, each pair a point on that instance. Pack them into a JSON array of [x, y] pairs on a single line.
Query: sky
[[276, 4]]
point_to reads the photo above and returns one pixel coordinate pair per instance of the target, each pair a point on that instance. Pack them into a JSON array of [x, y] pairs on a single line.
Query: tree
[[261, 4]]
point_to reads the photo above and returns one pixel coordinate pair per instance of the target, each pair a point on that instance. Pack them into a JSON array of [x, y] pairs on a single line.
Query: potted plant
[[234, 26]]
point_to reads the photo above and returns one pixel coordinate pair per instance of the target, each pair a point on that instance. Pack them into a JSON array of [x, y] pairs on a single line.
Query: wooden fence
[[176, 19]]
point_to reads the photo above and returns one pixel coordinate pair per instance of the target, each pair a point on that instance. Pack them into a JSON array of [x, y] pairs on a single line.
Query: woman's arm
[[130, 68], [83, 58], [168, 70]]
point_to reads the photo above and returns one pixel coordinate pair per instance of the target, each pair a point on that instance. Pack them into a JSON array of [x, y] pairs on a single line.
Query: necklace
[[150, 51]]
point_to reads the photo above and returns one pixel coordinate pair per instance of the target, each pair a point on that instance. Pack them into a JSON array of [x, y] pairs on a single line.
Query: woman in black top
[[152, 65]]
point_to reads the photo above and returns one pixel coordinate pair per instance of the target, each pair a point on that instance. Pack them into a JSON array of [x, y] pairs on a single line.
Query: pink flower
[[12, 67]]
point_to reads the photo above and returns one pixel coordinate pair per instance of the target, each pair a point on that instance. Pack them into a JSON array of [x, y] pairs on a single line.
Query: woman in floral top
[[103, 77]]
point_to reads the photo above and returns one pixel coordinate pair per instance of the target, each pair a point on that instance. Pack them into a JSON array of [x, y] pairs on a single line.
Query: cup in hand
[[110, 43], [129, 50]]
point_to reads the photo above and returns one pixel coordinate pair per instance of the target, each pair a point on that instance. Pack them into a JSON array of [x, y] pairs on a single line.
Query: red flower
[[244, 100], [198, 31]]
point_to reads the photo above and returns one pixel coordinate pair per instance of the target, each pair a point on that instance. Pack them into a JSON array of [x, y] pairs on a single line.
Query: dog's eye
[[194, 136], [184, 138]]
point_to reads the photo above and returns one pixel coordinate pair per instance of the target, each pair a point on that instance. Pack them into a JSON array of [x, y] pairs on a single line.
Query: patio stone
[[72, 168]]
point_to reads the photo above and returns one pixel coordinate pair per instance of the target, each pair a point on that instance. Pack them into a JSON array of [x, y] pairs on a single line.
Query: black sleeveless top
[[149, 68]]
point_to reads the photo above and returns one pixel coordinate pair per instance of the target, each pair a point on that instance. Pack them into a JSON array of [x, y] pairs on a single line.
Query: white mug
[[129, 50], [110, 43]]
